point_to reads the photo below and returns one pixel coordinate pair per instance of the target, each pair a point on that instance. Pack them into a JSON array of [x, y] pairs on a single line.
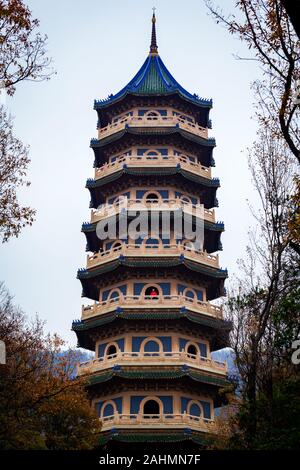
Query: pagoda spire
[[153, 46]]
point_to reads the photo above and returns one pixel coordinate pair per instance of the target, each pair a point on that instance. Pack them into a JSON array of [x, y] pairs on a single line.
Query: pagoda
[[152, 325]]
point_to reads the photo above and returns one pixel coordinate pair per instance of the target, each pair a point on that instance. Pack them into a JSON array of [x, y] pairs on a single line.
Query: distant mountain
[[227, 355]]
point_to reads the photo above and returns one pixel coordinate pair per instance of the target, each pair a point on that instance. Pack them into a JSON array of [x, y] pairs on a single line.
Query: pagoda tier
[[93, 327], [184, 409], [212, 235], [129, 265], [171, 181], [187, 142], [152, 325]]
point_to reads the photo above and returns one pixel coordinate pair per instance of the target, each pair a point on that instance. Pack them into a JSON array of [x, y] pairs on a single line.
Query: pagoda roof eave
[[92, 183], [88, 227], [157, 373], [159, 436], [153, 79], [86, 329], [98, 143], [218, 273], [152, 315], [104, 104], [215, 277]]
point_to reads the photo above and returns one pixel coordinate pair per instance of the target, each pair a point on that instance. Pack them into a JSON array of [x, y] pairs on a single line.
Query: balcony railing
[[147, 121], [150, 161], [161, 302], [108, 210], [144, 250], [154, 359], [157, 421]]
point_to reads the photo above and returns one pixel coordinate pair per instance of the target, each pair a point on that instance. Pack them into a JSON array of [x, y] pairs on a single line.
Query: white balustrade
[[108, 210], [161, 420], [152, 250], [162, 302], [147, 121], [147, 161], [153, 358]]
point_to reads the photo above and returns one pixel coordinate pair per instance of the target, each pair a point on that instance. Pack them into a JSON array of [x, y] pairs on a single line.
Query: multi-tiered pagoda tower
[[152, 326]]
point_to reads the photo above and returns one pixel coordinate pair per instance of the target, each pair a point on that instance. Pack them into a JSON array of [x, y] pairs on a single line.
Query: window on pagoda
[[152, 197], [157, 112], [194, 409], [111, 350], [152, 243], [115, 294], [152, 347], [117, 246], [152, 292], [192, 350], [108, 410], [184, 117], [151, 407], [201, 408], [185, 199], [116, 157], [190, 294], [115, 199], [160, 151], [184, 155], [177, 153], [152, 153], [118, 118], [152, 115], [192, 199]]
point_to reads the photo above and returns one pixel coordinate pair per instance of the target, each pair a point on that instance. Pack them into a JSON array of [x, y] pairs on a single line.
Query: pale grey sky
[[97, 47]]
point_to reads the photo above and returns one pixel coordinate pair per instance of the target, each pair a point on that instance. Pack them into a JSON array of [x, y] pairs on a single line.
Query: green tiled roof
[[210, 142], [153, 78], [150, 315], [160, 435], [157, 374]]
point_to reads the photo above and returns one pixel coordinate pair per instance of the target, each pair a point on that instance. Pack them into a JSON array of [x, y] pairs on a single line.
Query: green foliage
[[42, 404], [278, 423], [286, 319]]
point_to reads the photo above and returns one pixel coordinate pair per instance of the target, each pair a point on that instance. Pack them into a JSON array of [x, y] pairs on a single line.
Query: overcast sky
[[97, 47]]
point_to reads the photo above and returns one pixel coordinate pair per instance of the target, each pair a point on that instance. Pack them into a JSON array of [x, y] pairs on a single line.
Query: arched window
[[152, 197], [189, 293], [114, 294], [195, 410], [152, 292], [111, 350], [154, 242], [116, 245], [192, 350], [108, 410], [185, 199], [117, 200], [152, 153], [151, 407], [151, 346], [152, 115]]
